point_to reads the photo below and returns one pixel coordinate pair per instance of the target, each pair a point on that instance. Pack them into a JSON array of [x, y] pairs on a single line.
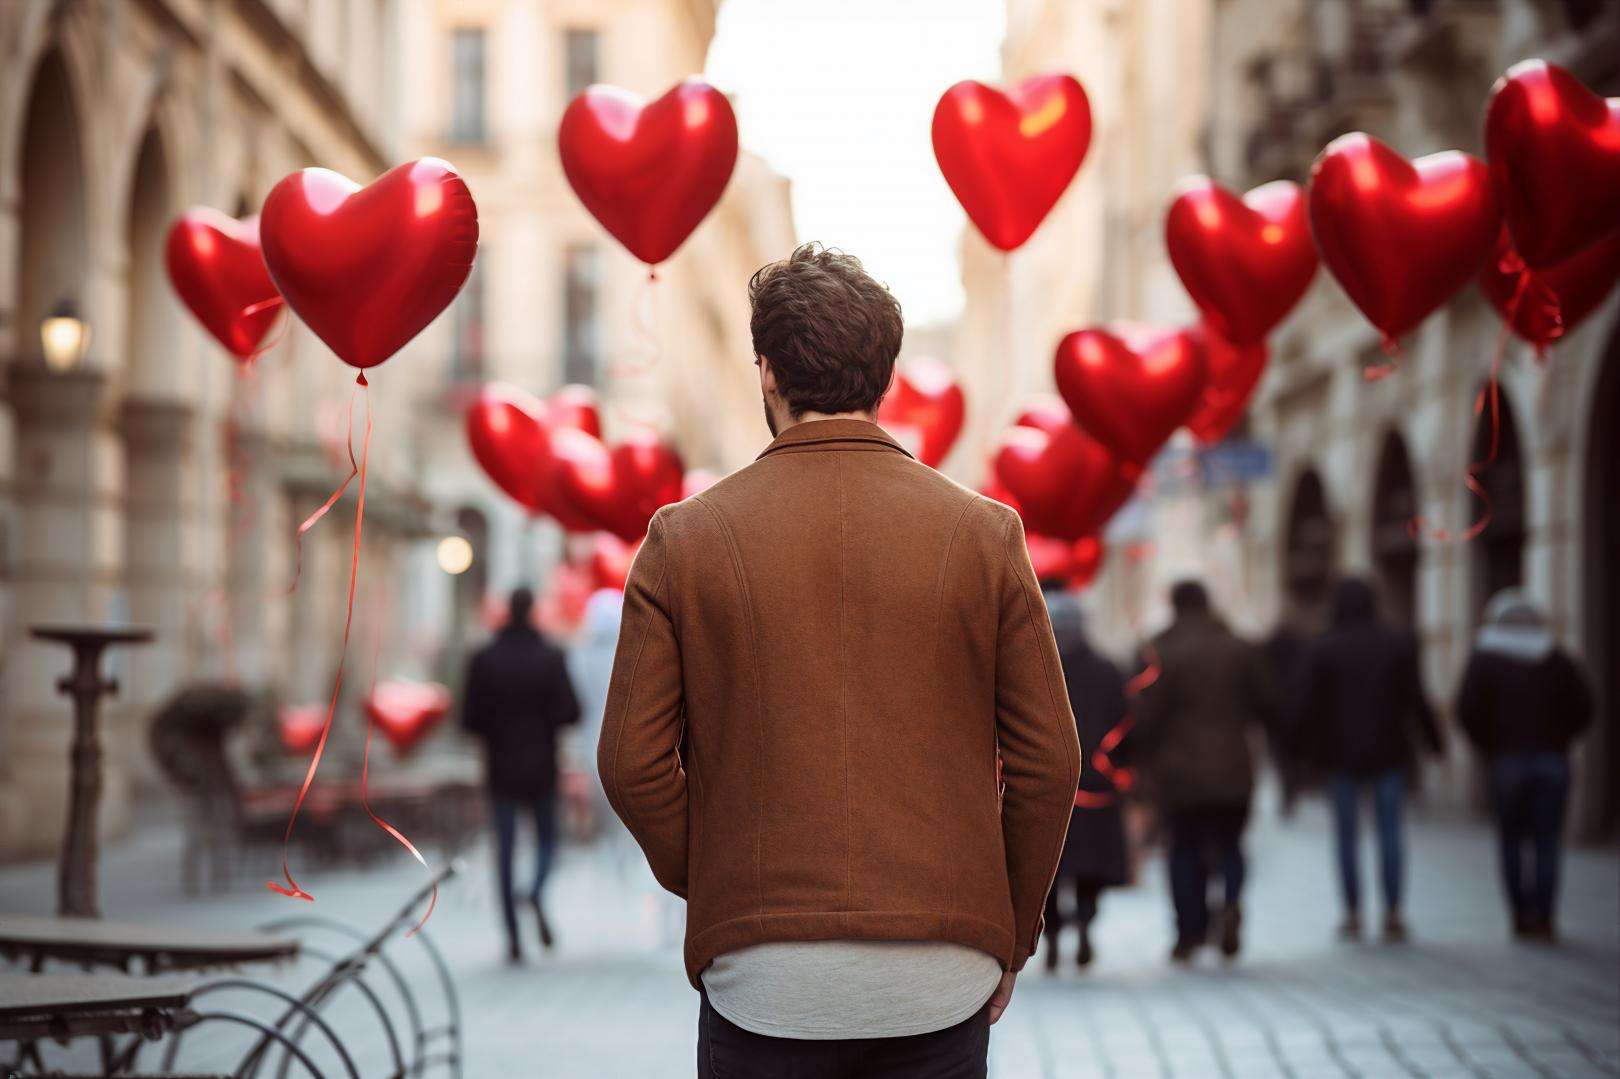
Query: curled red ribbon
[[1490, 395], [292, 890]]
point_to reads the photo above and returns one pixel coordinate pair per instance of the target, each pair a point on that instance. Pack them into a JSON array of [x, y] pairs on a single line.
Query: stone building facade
[[1249, 91], [115, 500]]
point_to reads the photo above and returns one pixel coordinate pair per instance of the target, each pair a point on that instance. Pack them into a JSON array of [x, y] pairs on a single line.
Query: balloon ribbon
[[1122, 779], [292, 890], [1490, 395]]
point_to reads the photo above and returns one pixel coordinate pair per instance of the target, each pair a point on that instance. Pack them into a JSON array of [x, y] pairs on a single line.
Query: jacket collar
[[823, 434]]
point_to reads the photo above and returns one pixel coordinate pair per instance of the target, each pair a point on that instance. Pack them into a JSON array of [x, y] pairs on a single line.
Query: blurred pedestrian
[[1193, 727], [1094, 853], [1285, 648], [1522, 702], [517, 697], [590, 665], [827, 661], [1358, 712]]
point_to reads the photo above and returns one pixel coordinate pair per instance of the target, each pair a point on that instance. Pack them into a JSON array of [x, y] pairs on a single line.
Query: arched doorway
[[54, 244], [1599, 801], [1497, 553], [1394, 547], [150, 345], [1308, 546]]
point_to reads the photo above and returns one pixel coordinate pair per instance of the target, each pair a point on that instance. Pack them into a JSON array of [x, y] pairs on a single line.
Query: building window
[[467, 326], [467, 100], [581, 329], [580, 47]]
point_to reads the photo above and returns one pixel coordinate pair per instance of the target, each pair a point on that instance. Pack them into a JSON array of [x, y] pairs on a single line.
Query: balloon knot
[[360, 379], [652, 273]]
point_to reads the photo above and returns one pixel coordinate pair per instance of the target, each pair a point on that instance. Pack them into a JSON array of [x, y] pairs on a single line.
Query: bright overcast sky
[[838, 96]]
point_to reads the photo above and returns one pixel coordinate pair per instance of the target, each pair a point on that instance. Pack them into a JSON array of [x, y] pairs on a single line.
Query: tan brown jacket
[[820, 660]]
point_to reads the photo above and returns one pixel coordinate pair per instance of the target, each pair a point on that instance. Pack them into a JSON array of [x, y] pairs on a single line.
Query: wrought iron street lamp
[[64, 336]]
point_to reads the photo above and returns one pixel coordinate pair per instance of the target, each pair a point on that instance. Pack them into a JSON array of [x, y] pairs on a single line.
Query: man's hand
[[1002, 996]]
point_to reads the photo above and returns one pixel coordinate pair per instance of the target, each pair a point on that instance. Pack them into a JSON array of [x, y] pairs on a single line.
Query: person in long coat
[[1194, 723], [517, 697], [1094, 854], [1358, 712], [1522, 702]]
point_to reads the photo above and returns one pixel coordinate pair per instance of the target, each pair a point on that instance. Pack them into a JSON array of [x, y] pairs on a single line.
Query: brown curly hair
[[829, 330]]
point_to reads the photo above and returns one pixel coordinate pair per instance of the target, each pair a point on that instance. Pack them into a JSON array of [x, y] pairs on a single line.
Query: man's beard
[[770, 420]]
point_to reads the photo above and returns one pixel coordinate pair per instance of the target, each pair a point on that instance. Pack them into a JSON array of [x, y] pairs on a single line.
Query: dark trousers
[[545, 828], [1199, 842], [727, 1051], [1388, 794], [1530, 792], [1085, 904]]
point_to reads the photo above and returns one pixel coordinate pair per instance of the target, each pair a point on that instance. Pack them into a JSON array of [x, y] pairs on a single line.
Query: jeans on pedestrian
[[1388, 795], [1530, 792], [1200, 841], [506, 812], [727, 1051]]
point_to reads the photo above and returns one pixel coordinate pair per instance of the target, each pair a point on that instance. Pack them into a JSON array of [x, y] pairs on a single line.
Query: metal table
[[131, 946]]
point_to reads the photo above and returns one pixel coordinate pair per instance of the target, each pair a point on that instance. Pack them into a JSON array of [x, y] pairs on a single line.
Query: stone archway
[[1309, 554], [1599, 801], [64, 530], [1496, 555], [155, 420], [1394, 547]]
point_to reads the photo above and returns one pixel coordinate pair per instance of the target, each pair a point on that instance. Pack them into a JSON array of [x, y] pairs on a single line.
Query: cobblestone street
[[612, 1001]]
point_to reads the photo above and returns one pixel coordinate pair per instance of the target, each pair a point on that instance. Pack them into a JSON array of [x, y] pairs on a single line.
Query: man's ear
[[767, 377]]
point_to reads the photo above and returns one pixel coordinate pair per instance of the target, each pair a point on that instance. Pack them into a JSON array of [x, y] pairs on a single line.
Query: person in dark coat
[[1094, 856], [1523, 700], [517, 696], [1357, 711], [1194, 723], [1285, 648]]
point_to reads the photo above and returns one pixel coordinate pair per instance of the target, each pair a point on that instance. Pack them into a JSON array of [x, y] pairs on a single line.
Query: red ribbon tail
[[292, 889], [1489, 397], [647, 350], [332, 500]]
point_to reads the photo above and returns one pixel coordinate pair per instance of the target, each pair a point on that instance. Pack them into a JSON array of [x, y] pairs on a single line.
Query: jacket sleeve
[[568, 710], [1265, 698], [1574, 698], [1035, 735], [639, 752]]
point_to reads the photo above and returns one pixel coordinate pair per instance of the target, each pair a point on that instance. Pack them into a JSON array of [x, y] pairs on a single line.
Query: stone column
[[66, 568], [250, 545], [157, 563]]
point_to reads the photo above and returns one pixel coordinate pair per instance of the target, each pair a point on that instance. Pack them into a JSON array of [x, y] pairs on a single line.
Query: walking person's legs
[[1389, 795], [1052, 930], [1508, 803], [1346, 795], [1189, 881], [1228, 841], [1549, 800], [504, 814], [1085, 903], [545, 837]]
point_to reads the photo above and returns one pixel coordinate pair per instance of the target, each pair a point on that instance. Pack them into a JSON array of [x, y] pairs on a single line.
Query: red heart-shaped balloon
[[367, 268], [1085, 561], [1130, 386], [1245, 262], [583, 485], [648, 475], [407, 712], [610, 562], [1544, 305], [1051, 558], [1233, 373], [928, 399], [1554, 149], [217, 270], [1400, 236], [577, 407], [1009, 157], [1065, 484], [649, 172], [299, 726], [507, 433]]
